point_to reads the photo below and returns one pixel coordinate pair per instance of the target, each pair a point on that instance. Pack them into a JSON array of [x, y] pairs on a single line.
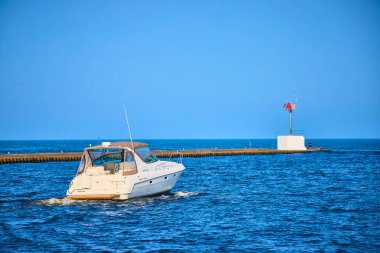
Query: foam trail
[[185, 194], [55, 202]]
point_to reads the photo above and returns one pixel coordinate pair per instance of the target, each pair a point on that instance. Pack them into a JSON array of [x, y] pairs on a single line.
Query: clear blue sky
[[189, 69]]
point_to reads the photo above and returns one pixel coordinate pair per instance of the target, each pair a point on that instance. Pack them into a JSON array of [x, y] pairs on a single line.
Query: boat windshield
[[101, 156], [146, 155]]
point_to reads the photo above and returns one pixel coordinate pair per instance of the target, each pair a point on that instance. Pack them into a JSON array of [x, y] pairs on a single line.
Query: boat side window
[[129, 166], [82, 165], [128, 157], [146, 155]]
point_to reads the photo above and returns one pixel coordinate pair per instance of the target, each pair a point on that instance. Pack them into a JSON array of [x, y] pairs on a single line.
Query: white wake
[[185, 194], [55, 202]]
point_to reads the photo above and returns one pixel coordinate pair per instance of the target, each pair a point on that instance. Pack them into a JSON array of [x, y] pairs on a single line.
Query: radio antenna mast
[[129, 129]]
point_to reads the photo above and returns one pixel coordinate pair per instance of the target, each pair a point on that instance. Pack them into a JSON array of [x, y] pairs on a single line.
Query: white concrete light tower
[[290, 142]]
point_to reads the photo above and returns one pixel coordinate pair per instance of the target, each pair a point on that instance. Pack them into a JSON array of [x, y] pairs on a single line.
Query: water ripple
[[307, 202]]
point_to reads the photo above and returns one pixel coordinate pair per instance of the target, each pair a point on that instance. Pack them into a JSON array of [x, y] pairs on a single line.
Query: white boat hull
[[155, 180], [155, 186]]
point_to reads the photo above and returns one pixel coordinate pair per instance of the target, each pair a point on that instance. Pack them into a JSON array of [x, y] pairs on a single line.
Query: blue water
[[298, 202]]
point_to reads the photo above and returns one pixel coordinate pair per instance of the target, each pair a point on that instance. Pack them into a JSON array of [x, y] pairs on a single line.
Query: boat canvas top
[[121, 144]]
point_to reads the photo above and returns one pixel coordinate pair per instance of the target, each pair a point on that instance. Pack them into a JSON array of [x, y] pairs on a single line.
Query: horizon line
[[113, 139]]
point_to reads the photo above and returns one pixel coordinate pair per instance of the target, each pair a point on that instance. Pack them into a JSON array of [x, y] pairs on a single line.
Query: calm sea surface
[[299, 202]]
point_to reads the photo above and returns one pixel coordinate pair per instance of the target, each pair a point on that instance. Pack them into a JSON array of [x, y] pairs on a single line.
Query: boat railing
[[180, 157], [179, 160]]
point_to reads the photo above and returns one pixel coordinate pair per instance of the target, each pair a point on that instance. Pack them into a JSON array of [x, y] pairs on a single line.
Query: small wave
[[185, 194], [55, 202], [141, 200]]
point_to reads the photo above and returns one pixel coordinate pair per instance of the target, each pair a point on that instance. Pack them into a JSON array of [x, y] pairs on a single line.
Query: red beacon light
[[290, 107]]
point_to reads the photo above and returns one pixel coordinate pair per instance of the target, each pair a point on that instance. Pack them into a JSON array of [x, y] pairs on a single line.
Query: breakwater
[[76, 156]]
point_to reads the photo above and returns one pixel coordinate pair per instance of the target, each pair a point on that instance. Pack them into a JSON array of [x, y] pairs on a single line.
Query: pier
[[76, 156]]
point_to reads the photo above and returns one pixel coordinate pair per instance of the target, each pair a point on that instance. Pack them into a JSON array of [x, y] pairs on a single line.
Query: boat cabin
[[120, 158]]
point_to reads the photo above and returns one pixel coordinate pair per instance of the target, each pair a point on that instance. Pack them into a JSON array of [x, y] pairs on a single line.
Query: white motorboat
[[122, 170]]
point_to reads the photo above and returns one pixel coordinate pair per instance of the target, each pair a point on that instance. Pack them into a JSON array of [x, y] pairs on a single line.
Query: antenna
[[129, 129]]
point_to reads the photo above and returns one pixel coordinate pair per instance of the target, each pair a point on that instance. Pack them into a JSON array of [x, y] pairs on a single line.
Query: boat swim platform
[[76, 156]]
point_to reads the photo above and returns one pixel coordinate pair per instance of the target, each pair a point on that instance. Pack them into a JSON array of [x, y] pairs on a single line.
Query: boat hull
[[93, 197], [154, 186], [127, 189]]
